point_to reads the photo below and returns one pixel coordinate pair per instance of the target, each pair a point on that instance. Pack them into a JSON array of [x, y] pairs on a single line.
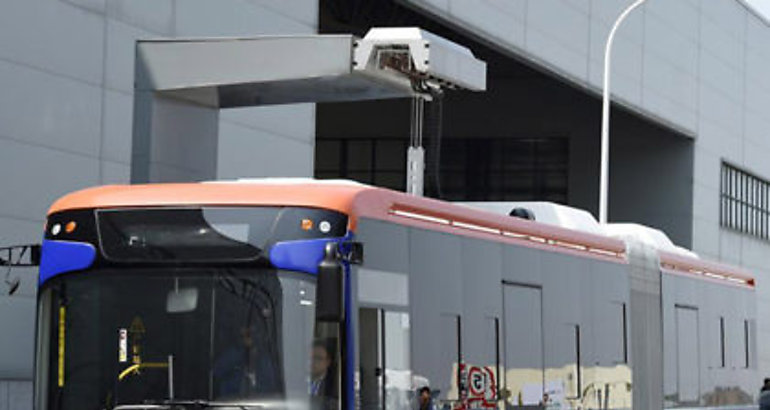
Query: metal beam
[[226, 73]]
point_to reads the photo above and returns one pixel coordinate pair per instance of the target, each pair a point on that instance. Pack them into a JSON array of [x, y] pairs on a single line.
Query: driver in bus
[[243, 370]]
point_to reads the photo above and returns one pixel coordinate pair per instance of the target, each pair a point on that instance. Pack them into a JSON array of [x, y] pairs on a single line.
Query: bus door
[[385, 379], [523, 345]]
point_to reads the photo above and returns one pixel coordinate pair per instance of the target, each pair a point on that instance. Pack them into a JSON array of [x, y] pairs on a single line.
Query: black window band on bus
[[210, 234]]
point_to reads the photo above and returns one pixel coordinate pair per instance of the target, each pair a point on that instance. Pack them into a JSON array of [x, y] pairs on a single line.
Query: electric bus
[[306, 294]]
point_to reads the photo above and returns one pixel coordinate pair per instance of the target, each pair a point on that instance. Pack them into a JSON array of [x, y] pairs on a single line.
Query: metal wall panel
[[523, 343], [293, 156], [15, 395], [435, 266], [17, 317], [53, 36], [48, 110], [481, 271]]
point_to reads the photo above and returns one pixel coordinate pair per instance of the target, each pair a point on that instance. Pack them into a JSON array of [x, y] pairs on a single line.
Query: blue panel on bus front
[[302, 255], [63, 256]]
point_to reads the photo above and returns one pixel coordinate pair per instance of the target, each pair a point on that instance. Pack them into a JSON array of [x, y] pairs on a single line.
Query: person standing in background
[[764, 395], [426, 398]]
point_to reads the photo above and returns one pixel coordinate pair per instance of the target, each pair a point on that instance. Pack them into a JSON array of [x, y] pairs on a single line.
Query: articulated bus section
[[532, 326], [552, 321]]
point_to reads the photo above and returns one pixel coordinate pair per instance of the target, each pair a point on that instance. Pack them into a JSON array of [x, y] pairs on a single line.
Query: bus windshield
[[116, 338], [210, 234]]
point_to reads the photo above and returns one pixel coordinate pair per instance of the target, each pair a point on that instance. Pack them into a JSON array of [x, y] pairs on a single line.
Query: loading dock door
[[687, 354], [523, 344]]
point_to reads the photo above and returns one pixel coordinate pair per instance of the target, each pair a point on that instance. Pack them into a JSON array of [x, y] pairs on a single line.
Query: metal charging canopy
[[267, 70], [181, 84]]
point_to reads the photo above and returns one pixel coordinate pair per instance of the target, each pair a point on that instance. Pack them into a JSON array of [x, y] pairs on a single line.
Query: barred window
[[745, 202]]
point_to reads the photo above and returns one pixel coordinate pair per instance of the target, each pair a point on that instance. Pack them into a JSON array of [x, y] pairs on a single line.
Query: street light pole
[[605, 151]]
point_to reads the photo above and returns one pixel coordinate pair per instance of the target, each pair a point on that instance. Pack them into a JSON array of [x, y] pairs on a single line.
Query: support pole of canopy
[[415, 153]]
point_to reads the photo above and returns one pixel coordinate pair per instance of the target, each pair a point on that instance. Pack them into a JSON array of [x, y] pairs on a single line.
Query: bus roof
[[354, 199], [364, 201]]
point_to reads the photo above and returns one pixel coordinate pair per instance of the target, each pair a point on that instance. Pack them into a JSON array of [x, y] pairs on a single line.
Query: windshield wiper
[[189, 404]]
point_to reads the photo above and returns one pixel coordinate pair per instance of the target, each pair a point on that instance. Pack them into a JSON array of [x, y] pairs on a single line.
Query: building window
[[745, 202], [505, 169], [376, 161], [472, 169]]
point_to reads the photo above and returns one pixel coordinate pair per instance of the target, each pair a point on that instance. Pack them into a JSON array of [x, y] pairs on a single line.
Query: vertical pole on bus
[[415, 153]]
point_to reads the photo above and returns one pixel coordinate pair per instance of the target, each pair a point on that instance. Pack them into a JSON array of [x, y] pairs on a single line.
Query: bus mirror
[[329, 286], [354, 252], [182, 300]]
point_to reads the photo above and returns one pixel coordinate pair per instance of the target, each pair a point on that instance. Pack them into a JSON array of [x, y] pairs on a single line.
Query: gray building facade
[[690, 79], [67, 71]]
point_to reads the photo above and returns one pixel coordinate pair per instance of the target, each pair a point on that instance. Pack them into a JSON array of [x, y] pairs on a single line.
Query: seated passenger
[[322, 382]]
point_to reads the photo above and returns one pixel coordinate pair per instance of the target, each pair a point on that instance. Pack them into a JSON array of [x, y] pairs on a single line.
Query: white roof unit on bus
[[546, 212], [580, 220], [647, 235]]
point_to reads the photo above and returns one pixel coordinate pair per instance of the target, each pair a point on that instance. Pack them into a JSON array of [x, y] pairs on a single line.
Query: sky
[[762, 6]]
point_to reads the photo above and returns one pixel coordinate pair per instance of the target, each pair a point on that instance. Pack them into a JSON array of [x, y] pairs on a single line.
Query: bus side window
[[398, 375], [370, 359], [449, 384], [385, 376]]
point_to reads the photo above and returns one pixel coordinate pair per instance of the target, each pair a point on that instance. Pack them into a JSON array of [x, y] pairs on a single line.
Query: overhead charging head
[[430, 62]]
